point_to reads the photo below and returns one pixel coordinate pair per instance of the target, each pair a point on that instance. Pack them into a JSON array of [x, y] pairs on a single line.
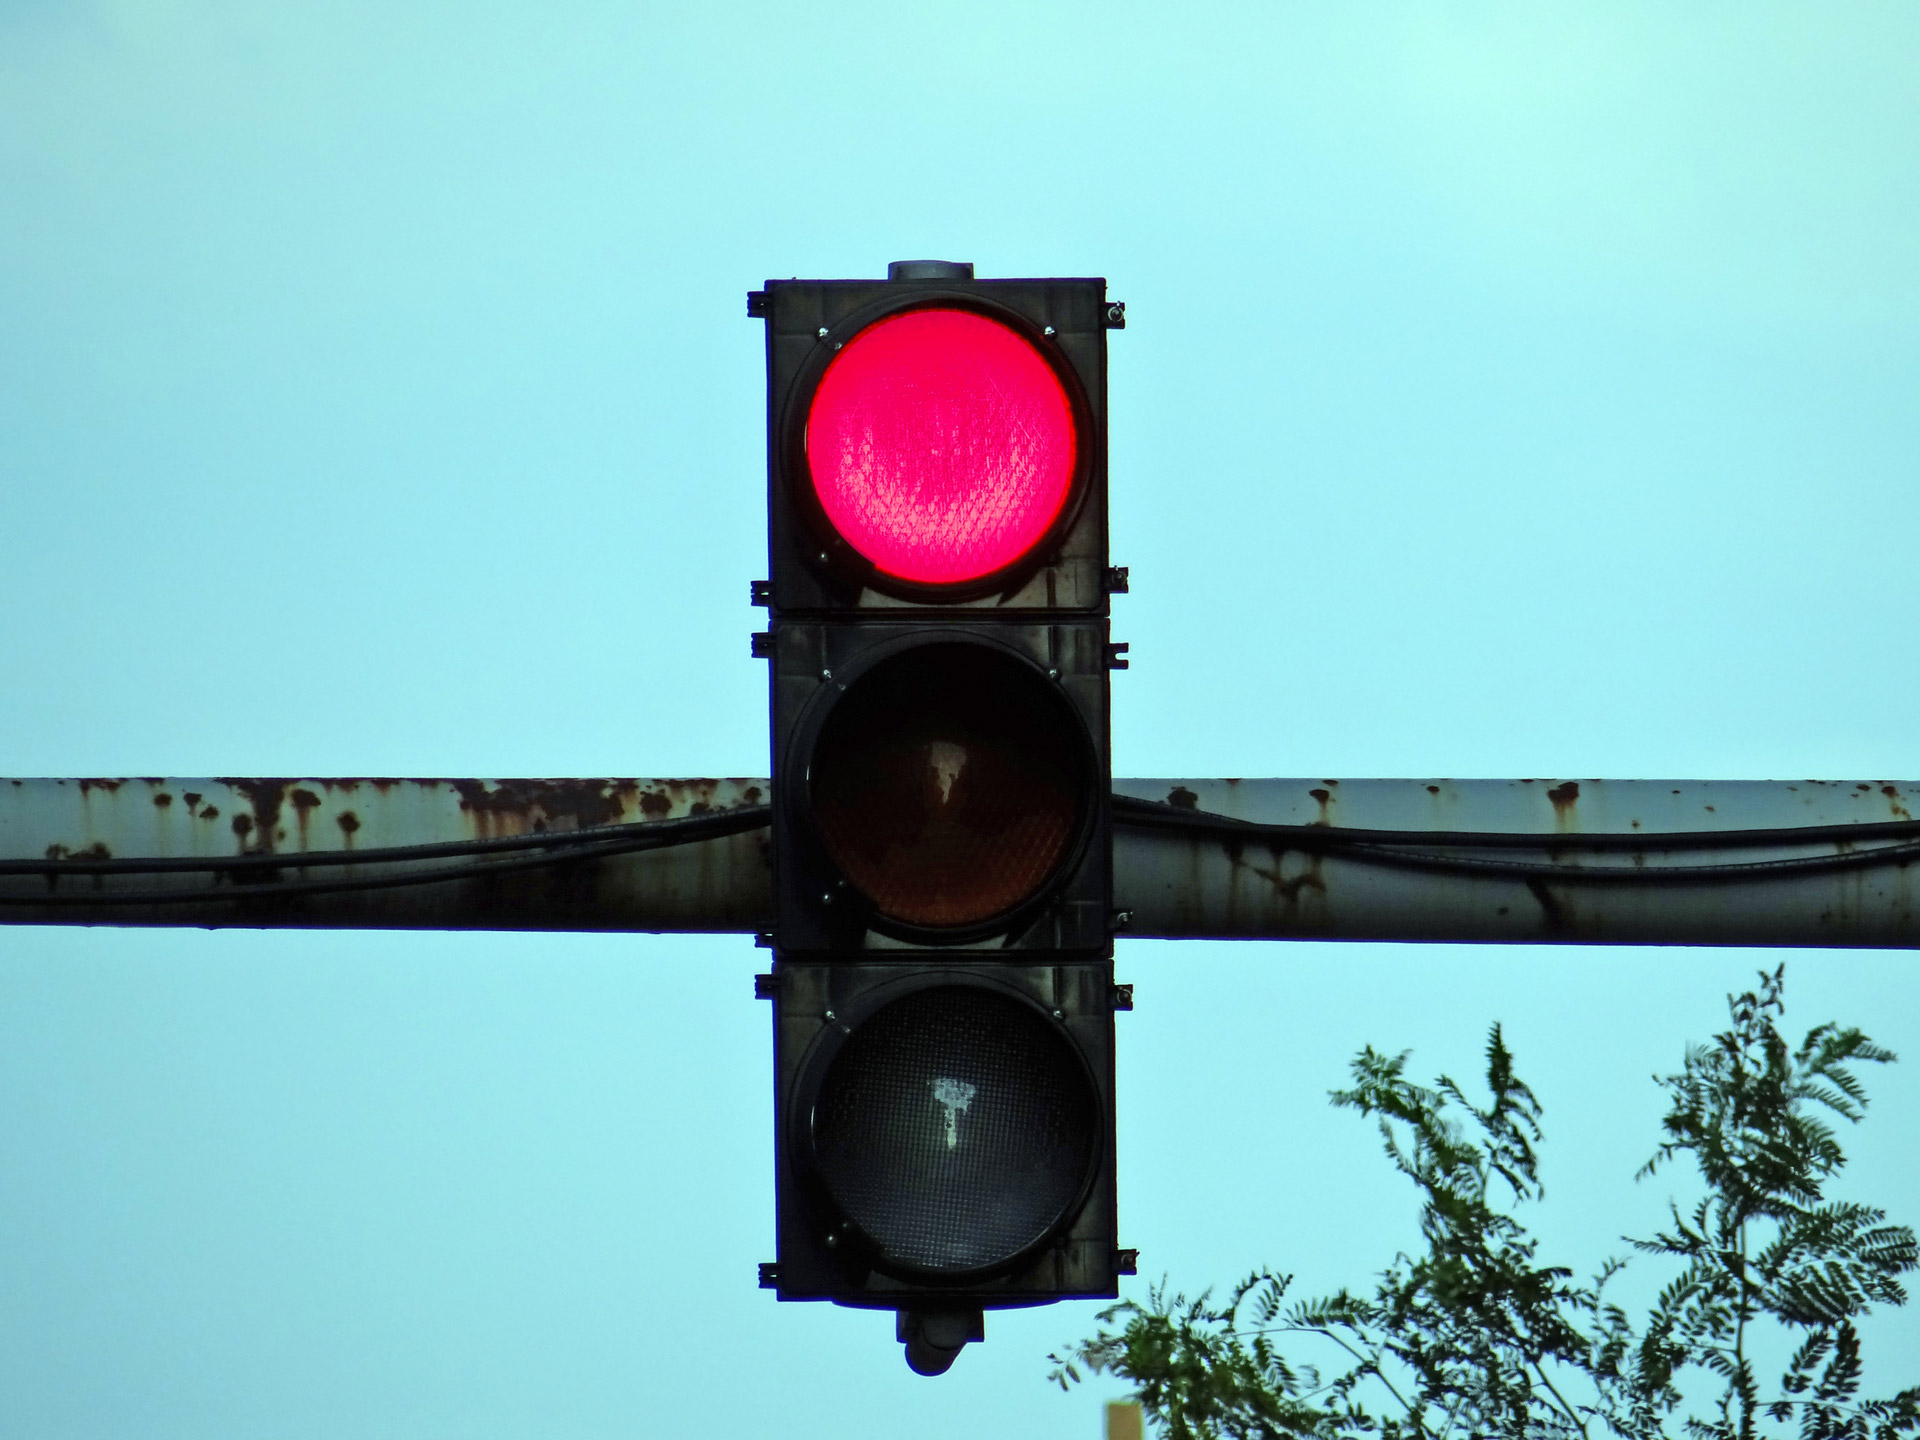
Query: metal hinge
[[1116, 317], [1117, 654], [763, 644], [756, 304]]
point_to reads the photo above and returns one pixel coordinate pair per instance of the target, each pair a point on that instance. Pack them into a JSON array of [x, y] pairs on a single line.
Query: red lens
[[942, 445]]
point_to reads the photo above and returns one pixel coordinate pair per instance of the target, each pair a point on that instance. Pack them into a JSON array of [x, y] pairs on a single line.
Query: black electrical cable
[[571, 847], [1733, 873], [1385, 847], [1129, 809]]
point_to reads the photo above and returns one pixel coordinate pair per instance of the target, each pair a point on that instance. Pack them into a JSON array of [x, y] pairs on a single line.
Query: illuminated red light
[[942, 446]]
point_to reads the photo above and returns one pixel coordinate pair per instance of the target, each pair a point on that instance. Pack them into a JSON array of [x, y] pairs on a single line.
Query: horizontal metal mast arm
[[1624, 862], [1826, 863], [321, 854]]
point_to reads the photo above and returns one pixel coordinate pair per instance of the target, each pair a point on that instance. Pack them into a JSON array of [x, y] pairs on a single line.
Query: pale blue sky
[[1507, 391]]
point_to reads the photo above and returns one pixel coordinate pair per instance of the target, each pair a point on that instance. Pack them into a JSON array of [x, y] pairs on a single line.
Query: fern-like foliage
[[1475, 1336], [1764, 1245], [1469, 1337], [1200, 1375]]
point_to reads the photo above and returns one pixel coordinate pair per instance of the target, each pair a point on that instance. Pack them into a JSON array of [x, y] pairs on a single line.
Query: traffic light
[[943, 976]]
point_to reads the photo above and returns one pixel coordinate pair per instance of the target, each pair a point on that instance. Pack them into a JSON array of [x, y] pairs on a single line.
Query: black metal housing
[[838, 957], [812, 571], [817, 1008], [817, 912]]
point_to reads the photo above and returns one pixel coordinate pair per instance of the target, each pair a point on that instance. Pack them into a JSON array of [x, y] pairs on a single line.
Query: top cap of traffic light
[[937, 440]]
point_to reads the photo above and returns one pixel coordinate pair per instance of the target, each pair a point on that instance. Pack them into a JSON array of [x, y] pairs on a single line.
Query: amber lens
[[949, 784]]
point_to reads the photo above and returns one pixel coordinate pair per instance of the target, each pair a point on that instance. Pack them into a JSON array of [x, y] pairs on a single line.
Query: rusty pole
[[381, 854], [1624, 862], [1821, 863]]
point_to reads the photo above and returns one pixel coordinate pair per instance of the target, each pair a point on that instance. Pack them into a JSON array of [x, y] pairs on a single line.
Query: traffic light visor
[[950, 784], [942, 446], [956, 1128]]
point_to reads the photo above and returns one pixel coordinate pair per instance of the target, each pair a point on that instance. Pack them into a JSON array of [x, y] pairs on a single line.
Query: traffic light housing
[[942, 981]]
